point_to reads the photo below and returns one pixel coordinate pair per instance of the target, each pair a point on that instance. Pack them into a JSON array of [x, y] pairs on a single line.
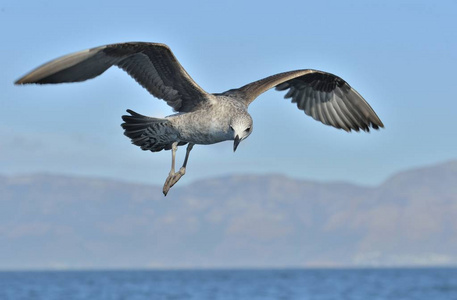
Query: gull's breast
[[202, 127]]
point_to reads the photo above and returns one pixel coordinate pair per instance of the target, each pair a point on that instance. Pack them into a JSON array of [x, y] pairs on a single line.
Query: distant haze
[[59, 222]]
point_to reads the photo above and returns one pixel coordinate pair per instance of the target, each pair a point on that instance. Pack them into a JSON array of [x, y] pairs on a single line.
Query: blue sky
[[400, 55]]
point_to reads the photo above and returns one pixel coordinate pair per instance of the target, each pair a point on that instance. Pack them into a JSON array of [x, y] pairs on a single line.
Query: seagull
[[204, 118]]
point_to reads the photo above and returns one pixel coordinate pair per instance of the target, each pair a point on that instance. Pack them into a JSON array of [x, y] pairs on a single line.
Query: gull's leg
[[174, 177], [167, 185], [182, 170]]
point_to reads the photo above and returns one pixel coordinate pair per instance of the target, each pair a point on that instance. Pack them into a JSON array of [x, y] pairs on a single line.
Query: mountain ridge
[[55, 221]]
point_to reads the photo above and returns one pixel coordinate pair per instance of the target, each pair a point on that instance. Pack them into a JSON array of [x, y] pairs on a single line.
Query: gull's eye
[[248, 129], [231, 128]]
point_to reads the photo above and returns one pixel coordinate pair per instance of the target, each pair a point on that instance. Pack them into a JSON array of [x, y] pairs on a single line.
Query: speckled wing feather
[[152, 65], [323, 96], [148, 133]]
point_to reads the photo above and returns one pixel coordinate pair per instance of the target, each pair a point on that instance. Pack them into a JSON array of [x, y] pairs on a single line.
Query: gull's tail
[[148, 133]]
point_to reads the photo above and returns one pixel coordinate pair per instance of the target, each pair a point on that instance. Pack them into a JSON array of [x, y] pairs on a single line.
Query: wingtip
[[378, 125], [24, 80], [19, 81]]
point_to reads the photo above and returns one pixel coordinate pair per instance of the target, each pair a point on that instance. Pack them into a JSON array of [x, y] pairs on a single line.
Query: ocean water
[[363, 284]]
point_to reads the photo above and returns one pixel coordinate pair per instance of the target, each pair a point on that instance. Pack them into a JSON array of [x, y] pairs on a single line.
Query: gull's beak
[[236, 143]]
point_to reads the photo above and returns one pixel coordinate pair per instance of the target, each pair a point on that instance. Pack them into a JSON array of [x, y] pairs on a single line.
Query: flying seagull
[[204, 118]]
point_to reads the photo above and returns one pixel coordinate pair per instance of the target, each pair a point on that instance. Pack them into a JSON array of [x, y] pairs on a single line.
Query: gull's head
[[241, 127]]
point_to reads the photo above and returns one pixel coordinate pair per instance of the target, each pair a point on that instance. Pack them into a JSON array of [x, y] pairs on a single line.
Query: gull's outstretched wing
[[152, 65], [324, 96]]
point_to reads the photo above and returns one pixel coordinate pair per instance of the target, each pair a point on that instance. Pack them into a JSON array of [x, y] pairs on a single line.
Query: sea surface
[[363, 284]]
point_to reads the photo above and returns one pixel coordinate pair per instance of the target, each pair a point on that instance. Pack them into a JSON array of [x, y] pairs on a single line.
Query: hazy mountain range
[[53, 221]]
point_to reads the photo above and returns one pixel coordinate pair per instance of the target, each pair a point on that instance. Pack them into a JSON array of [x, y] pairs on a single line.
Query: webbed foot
[[172, 179]]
